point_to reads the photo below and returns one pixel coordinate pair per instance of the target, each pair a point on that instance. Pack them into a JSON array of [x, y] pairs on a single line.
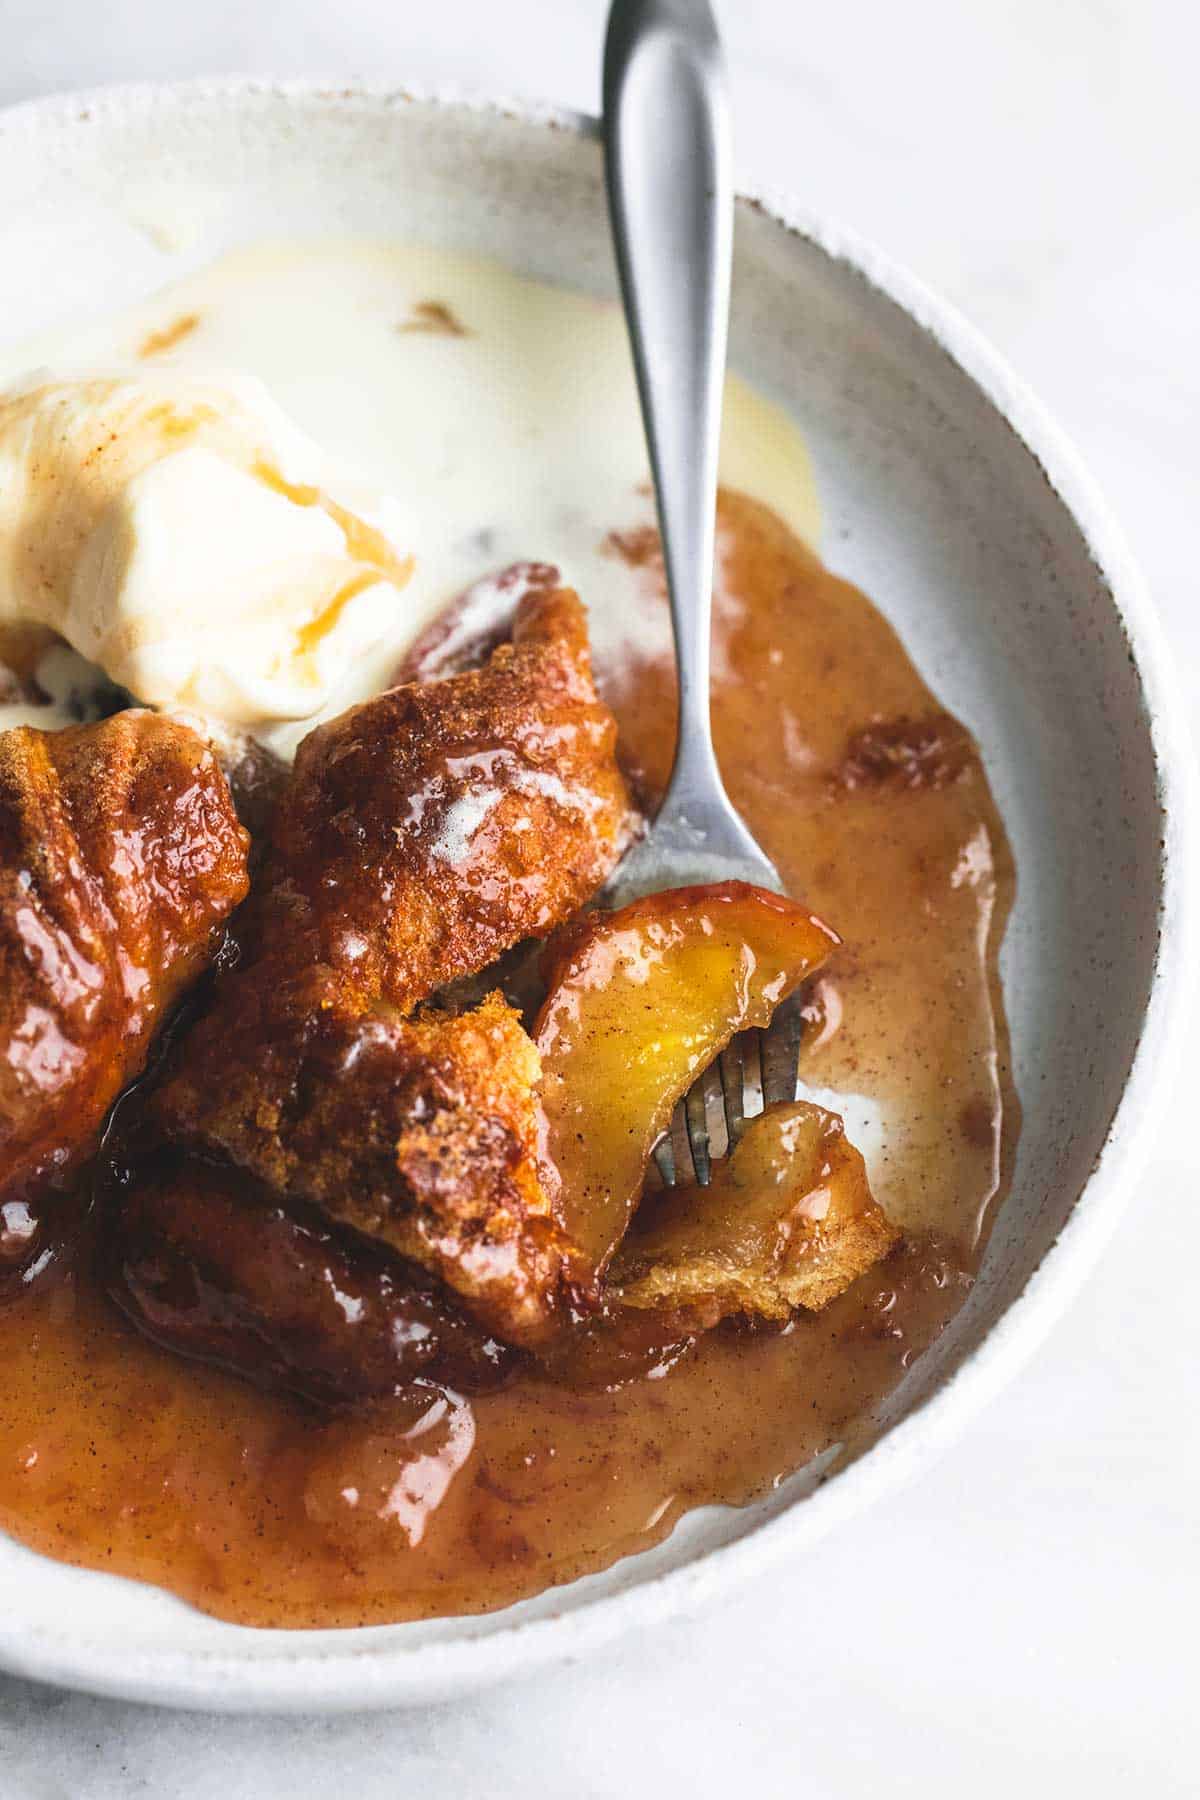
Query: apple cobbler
[[328, 1117], [337, 1281]]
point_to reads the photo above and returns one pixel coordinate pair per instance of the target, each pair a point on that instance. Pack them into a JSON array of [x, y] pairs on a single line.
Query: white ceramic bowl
[[952, 498]]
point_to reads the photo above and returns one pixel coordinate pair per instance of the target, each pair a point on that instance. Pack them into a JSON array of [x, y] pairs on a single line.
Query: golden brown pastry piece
[[422, 834], [427, 830], [120, 858], [421, 1133], [788, 1220]]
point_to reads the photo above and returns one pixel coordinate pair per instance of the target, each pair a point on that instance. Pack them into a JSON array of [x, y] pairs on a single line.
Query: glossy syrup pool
[[117, 1455]]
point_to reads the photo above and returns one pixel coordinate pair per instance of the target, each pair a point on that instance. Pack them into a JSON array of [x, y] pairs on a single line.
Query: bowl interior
[[931, 500]]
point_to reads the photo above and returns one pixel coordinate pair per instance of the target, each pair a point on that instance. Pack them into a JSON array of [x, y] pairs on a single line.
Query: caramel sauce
[[169, 337], [435, 317], [118, 1455], [309, 636], [364, 544]]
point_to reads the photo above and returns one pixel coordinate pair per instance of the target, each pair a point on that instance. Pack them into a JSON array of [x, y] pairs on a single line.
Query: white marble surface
[[1024, 1616]]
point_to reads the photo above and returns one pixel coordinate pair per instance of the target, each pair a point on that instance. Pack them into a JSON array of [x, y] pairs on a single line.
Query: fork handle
[[670, 189]]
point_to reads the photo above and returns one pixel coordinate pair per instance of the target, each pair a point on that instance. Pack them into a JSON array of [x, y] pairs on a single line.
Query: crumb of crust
[[905, 754], [436, 318], [157, 343]]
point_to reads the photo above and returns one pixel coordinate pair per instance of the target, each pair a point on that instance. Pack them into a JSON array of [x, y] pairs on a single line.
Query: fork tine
[[733, 1075], [752, 1084], [696, 1116], [756, 1069], [714, 1112], [780, 1048], [681, 1148]]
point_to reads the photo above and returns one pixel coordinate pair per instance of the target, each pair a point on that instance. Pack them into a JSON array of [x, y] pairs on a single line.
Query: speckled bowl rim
[[372, 1669]]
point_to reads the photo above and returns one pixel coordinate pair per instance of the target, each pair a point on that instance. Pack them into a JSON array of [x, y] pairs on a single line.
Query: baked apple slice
[[788, 1220], [639, 1002]]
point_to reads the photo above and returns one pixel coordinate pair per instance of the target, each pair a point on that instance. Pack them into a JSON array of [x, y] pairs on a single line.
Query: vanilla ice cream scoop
[[180, 531]]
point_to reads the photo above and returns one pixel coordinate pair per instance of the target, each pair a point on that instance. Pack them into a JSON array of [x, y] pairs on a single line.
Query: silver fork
[[670, 196]]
